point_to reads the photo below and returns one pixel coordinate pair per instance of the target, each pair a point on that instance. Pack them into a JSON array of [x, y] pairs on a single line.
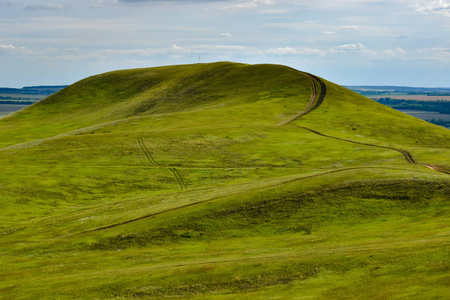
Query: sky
[[349, 42]]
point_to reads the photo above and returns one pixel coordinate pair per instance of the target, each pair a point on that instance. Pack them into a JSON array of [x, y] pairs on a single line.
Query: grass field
[[180, 182]]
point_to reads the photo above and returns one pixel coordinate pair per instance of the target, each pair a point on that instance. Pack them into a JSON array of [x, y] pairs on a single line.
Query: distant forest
[[440, 106], [33, 90], [383, 93], [14, 102], [386, 90]]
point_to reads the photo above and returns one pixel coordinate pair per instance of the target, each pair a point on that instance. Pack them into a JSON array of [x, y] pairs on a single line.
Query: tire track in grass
[[178, 178], [406, 155], [146, 152], [323, 92], [152, 161]]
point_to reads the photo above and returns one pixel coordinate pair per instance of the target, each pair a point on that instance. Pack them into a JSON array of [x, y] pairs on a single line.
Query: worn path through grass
[[315, 100]]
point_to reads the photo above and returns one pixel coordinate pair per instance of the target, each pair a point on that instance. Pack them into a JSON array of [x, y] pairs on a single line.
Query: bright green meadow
[[188, 182]]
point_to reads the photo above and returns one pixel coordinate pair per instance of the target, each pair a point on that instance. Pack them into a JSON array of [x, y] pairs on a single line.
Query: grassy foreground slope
[[180, 182]]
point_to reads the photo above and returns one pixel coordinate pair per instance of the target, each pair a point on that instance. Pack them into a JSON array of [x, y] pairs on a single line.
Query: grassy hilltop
[[221, 181]]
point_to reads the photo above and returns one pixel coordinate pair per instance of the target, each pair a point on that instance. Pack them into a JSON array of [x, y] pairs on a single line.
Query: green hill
[[221, 181]]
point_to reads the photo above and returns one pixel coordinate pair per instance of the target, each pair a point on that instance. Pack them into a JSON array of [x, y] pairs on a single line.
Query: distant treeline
[[17, 102], [437, 94], [381, 93], [440, 122], [440, 106], [17, 98], [372, 93], [374, 90], [34, 90]]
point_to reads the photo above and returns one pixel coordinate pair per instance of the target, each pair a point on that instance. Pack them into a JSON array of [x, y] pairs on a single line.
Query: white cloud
[[159, 1], [225, 34], [242, 4], [179, 49], [48, 6], [11, 49], [72, 49], [99, 3], [273, 11], [397, 53], [436, 53], [358, 47], [317, 27], [145, 51], [350, 27], [9, 3], [140, 62], [125, 52], [175, 49], [227, 49], [443, 55], [229, 4], [296, 51], [441, 7]]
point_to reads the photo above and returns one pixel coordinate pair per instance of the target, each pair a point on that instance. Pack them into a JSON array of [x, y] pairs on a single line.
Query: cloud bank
[[49, 6]]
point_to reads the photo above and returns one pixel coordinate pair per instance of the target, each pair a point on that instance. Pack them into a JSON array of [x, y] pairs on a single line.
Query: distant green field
[[221, 181]]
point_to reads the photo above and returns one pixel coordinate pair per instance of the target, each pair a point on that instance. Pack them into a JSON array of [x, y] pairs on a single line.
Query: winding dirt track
[[315, 100], [405, 153]]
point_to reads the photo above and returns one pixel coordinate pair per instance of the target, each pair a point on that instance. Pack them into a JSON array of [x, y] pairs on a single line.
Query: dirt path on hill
[[406, 154], [315, 100], [439, 168], [152, 161]]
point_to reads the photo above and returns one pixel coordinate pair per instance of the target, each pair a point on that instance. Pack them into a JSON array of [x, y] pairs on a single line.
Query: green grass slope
[[221, 181]]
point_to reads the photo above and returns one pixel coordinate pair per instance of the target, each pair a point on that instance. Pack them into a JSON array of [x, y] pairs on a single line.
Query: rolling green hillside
[[221, 181]]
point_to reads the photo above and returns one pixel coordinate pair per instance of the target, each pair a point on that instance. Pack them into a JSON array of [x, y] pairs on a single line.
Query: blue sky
[[353, 42]]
